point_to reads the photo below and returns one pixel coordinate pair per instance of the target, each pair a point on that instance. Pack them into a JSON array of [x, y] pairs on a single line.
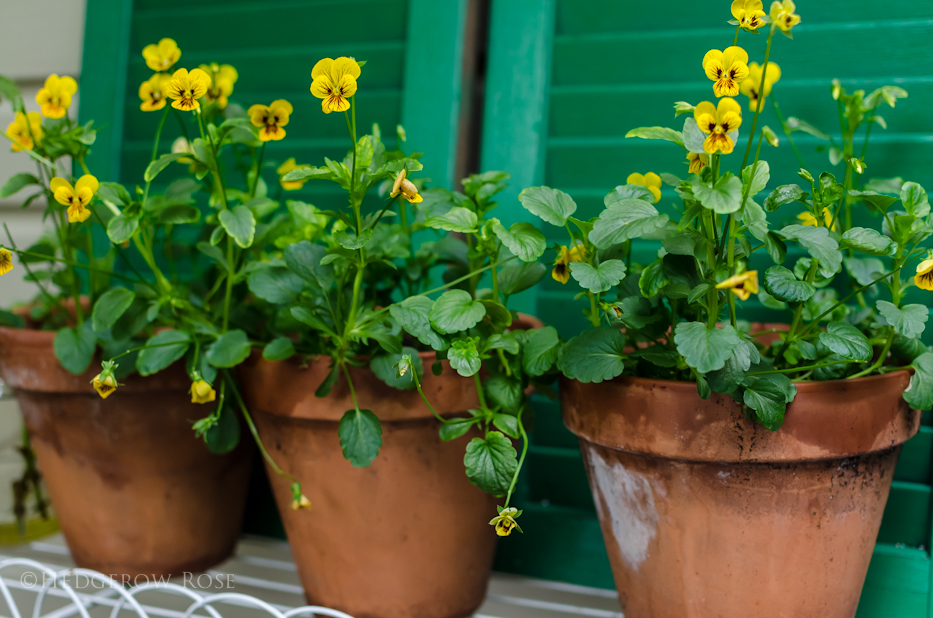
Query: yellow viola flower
[[186, 88], [406, 187], [25, 131], [153, 92], [104, 382], [743, 285], [924, 276], [301, 502], [271, 118], [561, 270], [202, 392], [727, 69], [697, 162], [55, 97], [650, 181], [748, 13], [223, 76], [753, 88], [717, 122], [783, 16], [290, 185], [76, 197], [807, 219], [505, 521], [6, 261], [335, 82], [163, 56]]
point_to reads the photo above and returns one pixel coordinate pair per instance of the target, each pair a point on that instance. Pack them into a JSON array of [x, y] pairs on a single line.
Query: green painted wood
[[897, 584]]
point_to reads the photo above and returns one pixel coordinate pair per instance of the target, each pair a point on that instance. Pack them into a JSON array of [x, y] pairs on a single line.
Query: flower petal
[[344, 66], [733, 55], [321, 87], [257, 114], [635, 179], [704, 108], [727, 105], [322, 68], [87, 182], [58, 183], [652, 180]]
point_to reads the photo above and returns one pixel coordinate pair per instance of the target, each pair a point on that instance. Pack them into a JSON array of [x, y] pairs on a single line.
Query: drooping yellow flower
[[104, 382], [153, 92], [752, 86], [25, 130], [561, 270], [186, 88], [163, 56], [743, 285], [6, 261], [223, 77], [76, 197], [650, 181], [697, 162], [505, 521], [727, 69], [808, 219], [301, 503], [783, 16], [406, 187], [55, 97], [717, 122], [290, 185], [924, 276], [202, 392], [335, 82], [271, 118], [749, 14]]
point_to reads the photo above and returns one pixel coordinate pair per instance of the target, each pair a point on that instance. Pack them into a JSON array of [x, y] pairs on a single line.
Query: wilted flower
[[505, 521], [406, 187], [697, 161], [743, 285], [105, 383], [561, 270], [202, 392]]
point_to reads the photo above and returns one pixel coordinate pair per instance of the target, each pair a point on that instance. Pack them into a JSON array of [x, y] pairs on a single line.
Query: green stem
[[479, 392], [764, 73], [796, 369], [262, 153], [521, 459], [787, 131], [346, 373], [868, 130], [798, 312], [414, 377], [842, 200], [53, 299]]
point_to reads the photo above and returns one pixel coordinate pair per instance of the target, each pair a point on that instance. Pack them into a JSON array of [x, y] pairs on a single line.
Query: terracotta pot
[[706, 514], [135, 492]]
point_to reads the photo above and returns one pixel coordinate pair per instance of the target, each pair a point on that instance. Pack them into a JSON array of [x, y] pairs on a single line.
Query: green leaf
[[160, 164], [664, 133], [637, 311], [506, 393], [919, 393], [224, 435], [240, 224], [505, 342], [626, 192], [496, 314], [413, 315], [909, 320], [769, 395], [456, 311], [110, 306], [552, 205], [384, 366], [784, 286], [353, 242], [523, 239], [593, 355], [230, 349], [784, 194], [866, 240], [601, 278], [693, 136], [540, 351], [464, 356], [624, 220], [705, 349], [915, 200], [727, 379], [324, 388], [360, 437], [820, 245], [278, 349], [846, 340], [172, 345], [75, 347], [491, 463], [16, 183], [456, 428], [275, 284], [652, 279], [756, 183], [308, 317], [507, 424], [304, 259], [458, 219], [878, 200], [179, 213], [517, 277], [908, 349], [724, 198], [121, 228]]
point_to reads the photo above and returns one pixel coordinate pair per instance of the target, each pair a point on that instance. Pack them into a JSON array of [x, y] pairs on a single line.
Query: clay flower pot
[[135, 492], [406, 536], [706, 514]]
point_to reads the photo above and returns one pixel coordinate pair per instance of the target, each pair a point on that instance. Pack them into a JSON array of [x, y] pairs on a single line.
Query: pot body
[[706, 514], [135, 492], [405, 537]]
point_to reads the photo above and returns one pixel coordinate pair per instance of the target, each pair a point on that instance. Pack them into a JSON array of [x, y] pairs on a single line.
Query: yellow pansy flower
[[153, 92], [924, 276], [727, 69], [752, 86], [301, 502], [6, 261], [290, 185], [104, 382], [223, 76], [748, 13], [55, 97], [505, 521], [25, 130], [76, 197], [697, 162], [561, 271], [406, 187], [335, 82], [271, 118], [783, 16], [717, 122], [163, 56], [650, 181], [202, 392], [743, 285], [186, 88], [807, 219]]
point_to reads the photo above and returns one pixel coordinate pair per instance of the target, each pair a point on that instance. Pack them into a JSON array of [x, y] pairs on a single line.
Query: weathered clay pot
[[706, 514], [136, 493], [407, 536]]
